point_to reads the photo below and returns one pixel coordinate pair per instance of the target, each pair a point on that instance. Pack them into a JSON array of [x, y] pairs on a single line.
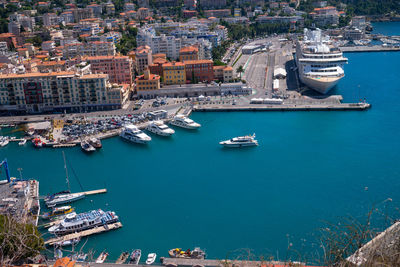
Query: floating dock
[[92, 231], [64, 145], [94, 192]]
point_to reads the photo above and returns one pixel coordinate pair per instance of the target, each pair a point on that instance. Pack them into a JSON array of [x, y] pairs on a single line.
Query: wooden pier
[[92, 231], [94, 192]]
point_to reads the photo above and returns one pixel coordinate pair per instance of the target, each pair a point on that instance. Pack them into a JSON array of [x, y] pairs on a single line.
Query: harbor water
[[186, 191]]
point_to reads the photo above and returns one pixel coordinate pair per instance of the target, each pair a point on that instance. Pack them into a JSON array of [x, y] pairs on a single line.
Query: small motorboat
[[87, 147], [58, 211], [102, 257], [122, 258], [37, 142], [21, 143], [135, 257], [95, 142], [70, 242], [241, 141], [151, 258]]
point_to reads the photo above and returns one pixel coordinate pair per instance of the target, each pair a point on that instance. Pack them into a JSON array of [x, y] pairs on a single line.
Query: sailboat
[[64, 196]]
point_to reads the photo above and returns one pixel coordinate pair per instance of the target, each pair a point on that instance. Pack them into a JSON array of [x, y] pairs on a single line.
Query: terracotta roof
[[159, 60], [151, 77], [105, 57], [189, 49], [64, 262], [171, 64], [37, 74], [198, 61], [227, 68]]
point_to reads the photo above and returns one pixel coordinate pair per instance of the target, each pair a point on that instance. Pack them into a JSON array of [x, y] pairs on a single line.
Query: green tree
[[240, 70], [18, 241]]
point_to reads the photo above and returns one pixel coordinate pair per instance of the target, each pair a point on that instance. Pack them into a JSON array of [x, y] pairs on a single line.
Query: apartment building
[[147, 81], [59, 91], [143, 58], [199, 70], [223, 73], [188, 53], [118, 68], [96, 48], [207, 4], [174, 73], [166, 44]]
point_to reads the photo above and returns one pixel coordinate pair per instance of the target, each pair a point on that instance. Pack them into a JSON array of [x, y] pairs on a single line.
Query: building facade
[[118, 68], [147, 82], [96, 48], [188, 53], [143, 58], [59, 91], [199, 70], [174, 73]]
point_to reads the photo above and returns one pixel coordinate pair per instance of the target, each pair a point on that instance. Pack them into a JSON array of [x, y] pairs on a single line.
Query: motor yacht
[[184, 122], [134, 134], [240, 141], [158, 127]]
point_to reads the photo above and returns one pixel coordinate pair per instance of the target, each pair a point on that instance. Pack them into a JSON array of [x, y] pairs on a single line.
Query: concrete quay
[[286, 107], [375, 48], [179, 262]]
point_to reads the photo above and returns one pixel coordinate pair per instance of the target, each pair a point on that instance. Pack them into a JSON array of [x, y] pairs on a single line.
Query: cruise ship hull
[[321, 85]]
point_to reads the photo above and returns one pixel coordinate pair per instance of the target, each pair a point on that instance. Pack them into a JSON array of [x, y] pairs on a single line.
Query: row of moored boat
[[132, 133]]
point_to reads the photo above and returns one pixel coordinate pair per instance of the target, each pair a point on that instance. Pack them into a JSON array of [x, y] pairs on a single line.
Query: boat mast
[[66, 171]]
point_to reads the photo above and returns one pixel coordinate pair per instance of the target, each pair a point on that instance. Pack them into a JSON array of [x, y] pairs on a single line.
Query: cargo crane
[[5, 165]]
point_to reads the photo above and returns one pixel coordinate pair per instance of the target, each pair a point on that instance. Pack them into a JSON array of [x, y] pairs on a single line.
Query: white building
[[168, 45]]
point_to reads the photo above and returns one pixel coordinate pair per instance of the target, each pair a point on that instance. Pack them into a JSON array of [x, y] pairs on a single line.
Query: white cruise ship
[[319, 61]]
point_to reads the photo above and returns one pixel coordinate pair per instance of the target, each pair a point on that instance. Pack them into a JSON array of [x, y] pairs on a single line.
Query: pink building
[[118, 68]]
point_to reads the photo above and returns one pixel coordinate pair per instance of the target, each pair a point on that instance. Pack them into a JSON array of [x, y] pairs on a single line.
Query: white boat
[[70, 242], [4, 141], [134, 258], [87, 147], [64, 196], [184, 122], [102, 257], [319, 61], [132, 133], [23, 142], [240, 141], [151, 258], [158, 127]]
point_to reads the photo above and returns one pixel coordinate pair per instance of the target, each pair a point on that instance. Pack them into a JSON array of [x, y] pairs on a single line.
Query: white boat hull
[[135, 139], [185, 126], [74, 197], [321, 85], [167, 132], [238, 145]]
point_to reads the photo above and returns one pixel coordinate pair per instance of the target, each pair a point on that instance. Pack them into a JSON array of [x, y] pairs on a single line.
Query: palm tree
[[240, 70]]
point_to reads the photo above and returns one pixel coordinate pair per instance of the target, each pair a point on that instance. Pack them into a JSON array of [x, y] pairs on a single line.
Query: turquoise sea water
[[187, 191], [386, 28]]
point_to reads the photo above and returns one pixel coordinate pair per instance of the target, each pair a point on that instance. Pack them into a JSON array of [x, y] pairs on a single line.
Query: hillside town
[[74, 56]]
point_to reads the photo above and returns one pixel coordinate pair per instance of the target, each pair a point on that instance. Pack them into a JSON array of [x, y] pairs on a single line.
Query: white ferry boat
[[158, 127], [319, 62], [241, 141], [184, 122], [132, 133], [79, 222]]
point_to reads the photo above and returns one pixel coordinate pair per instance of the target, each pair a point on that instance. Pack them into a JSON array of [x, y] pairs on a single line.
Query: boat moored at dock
[[58, 199], [58, 212], [240, 141], [158, 127], [184, 122], [151, 258], [95, 142], [66, 243], [319, 61], [197, 253], [132, 133], [135, 257], [79, 222], [102, 257], [87, 147], [122, 258]]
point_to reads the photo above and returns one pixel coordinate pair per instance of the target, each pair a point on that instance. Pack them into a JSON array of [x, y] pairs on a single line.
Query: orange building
[[147, 81], [188, 53]]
